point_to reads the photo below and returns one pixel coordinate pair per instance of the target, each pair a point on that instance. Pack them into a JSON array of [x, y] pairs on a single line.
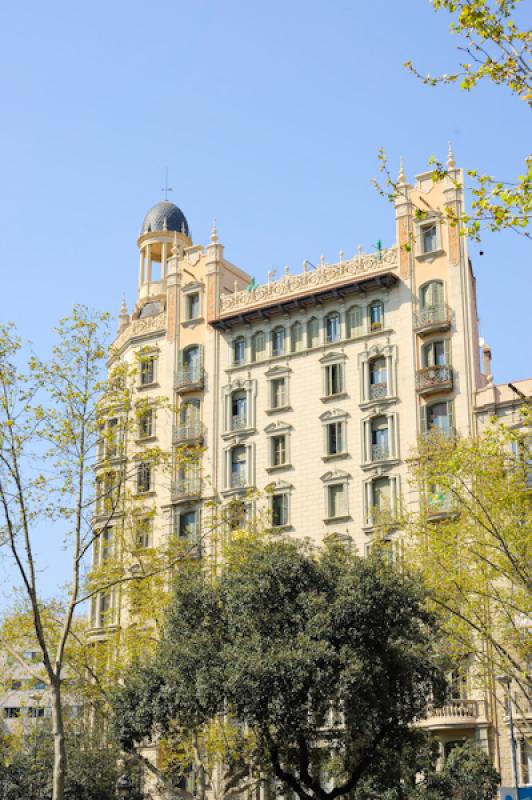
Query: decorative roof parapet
[[323, 276], [140, 327]]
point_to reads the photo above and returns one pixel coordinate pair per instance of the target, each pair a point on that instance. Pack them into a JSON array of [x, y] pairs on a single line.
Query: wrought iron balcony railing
[[433, 318], [188, 487], [239, 422], [434, 379], [189, 377], [238, 480], [380, 452], [377, 391], [188, 432]]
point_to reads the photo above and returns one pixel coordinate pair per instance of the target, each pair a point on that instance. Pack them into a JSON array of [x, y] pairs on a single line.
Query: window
[[335, 438], [434, 354], [280, 509], [188, 525], [381, 496], [238, 467], [313, 332], [354, 322], [379, 439], [192, 362], [296, 337], [333, 328], [104, 610], [188, 476], [105, 544], [279, 397], [111, 443], [147, 370], [278, 336], [239, 404], [143, 478], [11, 712], [146, 427], [16, 685], [437, 417], [258, 348], [376, 316], [336, 500], [39, 685], [432, 295], [333, 379], [189, 412], [143, 528], [192, 305], [429, 238], [458, 683], [378, 378], [278, 450], [239, 351]]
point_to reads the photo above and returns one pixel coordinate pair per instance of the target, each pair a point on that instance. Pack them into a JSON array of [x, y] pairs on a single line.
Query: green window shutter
[[446, 350], [424, 420], [450, 415]]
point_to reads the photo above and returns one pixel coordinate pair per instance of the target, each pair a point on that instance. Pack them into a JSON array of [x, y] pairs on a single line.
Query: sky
[[268, 117]]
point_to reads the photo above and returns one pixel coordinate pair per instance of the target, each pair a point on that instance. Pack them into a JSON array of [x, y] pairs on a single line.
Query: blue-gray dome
[[175, 219]]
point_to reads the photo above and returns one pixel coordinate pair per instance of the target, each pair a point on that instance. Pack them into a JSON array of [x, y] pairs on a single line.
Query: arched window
[[435, 354], [278, 337], [191, 358], [239, 350], [354, 322], [313, 332], [438, 417], [239, 405], [378, 378], [376, 316], [258, 350], [296, 337], [432, 295], [333, 327]]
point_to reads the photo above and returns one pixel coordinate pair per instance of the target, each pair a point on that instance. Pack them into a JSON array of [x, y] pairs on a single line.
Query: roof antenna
[[166, 188]]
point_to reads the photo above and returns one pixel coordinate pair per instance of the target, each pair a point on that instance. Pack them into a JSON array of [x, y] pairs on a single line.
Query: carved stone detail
[[324, 275], [139, 327]]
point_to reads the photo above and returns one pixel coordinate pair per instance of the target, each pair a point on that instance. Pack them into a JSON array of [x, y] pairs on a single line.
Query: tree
[[471, 543], [498, 51], [324, 659], [54, 427], [466, 775]]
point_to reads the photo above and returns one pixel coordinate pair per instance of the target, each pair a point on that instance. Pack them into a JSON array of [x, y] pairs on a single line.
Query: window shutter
[[424, 420], [446, 350], [200, 357], [450, 416]]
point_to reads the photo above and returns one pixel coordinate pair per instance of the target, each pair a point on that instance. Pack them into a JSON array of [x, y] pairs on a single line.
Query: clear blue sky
[[269, 117]]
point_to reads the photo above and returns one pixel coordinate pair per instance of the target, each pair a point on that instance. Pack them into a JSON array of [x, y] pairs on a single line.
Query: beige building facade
[[314, 386]]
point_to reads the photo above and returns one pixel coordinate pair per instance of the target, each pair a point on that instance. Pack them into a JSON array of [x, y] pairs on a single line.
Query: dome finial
[[451, 163], [214, 232], [123, 316], [401, 178]]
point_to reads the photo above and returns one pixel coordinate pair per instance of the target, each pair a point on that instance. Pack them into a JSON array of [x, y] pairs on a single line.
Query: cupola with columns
[[165, 232]]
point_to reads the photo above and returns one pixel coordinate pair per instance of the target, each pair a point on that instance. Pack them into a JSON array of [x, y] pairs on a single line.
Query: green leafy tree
[[467, 775], [471, 542], [54, 428], [325, 659], [497, 50]]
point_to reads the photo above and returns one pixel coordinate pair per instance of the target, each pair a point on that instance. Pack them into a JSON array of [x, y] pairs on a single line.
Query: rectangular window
[[313, 332], [376, 316], [333, 328], [280, 509], [333, 379], [239, 351], [279, 394], [336, 500], [193, 305], [111, 444], [188, 525], [146, 424], [10, 712], [278, 342], [147, 371], [429, 238], [379, 439], [258, 346], [278, 445], [381, 495], [143, 478], [335, 438], [143, 528]]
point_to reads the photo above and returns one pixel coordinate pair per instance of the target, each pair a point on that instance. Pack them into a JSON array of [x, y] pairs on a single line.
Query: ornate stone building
[[315, 385]]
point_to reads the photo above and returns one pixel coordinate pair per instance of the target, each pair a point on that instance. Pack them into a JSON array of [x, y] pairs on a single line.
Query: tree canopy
[[324, 659]]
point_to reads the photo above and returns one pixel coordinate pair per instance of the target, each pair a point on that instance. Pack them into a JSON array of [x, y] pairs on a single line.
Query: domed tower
[[164, 227]]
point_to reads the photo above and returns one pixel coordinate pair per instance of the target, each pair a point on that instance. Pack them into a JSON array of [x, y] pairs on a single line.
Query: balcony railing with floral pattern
[[187, 432], [380, 452], [433, 318], [189, 377], [377, 391], [434, 379]]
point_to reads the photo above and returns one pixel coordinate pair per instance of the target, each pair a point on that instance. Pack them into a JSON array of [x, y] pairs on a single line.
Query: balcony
[[239, 422], [380, 452], [378, 391], [434, 379], [455, 714], [185, 489], [433, 318], [189, 379], [439, 506], [188, 432], [238, 480]]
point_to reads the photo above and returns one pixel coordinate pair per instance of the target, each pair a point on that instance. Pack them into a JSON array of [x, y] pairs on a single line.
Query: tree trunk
[[58, 728]]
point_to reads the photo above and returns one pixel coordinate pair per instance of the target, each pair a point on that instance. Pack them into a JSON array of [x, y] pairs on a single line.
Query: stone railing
[[321, 277], [457, 710], [139, 327]]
